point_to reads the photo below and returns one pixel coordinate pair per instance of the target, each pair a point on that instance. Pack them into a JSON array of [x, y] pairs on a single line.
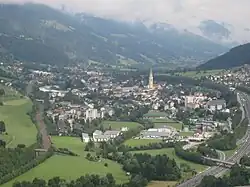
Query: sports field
[[139, 142], [176, 125], [171, 154], [69, 167], [19, 126], [117, 125]]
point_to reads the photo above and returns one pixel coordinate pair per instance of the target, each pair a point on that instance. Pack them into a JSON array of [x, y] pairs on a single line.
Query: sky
[[181, 13]]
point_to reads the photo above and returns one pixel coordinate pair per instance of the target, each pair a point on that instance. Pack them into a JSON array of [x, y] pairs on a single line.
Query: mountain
[[235, 57], [38, 33]]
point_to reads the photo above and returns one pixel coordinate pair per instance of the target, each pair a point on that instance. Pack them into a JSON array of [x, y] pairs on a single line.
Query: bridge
[[223, 163]]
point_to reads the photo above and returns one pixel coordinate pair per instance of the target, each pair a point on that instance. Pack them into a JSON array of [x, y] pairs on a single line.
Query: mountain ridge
[[55, 37], [237, 56]]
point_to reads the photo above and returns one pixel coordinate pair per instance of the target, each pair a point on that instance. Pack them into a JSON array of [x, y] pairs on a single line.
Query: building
[[99, 136], [157, 133], [214, 105], [151, 80], [85, 137], [112, 134], [91, 114], [194, 101]]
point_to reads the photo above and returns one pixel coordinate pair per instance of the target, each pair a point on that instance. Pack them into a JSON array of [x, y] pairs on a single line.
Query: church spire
[[151, 80]]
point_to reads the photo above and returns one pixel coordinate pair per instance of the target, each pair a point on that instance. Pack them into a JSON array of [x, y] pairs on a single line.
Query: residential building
[[214, 105], [85, 137]]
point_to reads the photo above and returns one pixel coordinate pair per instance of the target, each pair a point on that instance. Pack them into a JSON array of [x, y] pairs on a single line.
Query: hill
[[235, 57], [38, 33]]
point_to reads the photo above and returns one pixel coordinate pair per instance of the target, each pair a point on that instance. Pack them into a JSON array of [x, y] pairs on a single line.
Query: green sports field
[[69, 167], [176, 125], [171, 154], [139, 142], [19, 126], [117, 125]]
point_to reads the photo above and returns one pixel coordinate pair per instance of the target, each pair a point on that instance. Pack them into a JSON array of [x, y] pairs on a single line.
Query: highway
[[217, 171]]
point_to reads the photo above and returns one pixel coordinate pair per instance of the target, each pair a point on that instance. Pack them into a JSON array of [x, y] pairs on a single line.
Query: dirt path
[[46, 143]]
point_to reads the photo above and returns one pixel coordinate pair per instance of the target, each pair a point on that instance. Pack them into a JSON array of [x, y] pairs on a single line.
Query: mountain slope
[[235, 57], [37, 33]]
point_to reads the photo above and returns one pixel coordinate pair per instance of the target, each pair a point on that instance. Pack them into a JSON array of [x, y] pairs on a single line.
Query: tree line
[[19, 160], [159, 167], [84, 181], [150, 146]]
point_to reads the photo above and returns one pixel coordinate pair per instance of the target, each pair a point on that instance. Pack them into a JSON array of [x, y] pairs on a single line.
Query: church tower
[[151, 80]]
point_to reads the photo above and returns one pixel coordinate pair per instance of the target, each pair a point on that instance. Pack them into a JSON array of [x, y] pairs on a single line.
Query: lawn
[[69, 167], [162, 120], [190, 133], [155, 114], [19, 126], [139, 142], [162, 184], [171, 154], [176, 125], [117, 125], [230, 152]]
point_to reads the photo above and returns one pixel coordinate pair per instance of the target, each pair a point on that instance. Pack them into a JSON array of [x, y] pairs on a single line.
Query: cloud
[[178, 12]]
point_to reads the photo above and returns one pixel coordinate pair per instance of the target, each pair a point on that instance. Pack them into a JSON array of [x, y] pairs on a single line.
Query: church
[[151, 80]]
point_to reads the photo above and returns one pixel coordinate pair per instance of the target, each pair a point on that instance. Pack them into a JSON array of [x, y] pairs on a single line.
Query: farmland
[[19, 126], [59, 165]]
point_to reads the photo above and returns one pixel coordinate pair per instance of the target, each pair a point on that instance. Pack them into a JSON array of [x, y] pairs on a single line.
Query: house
[[214, 105], [99, 136], [85, 137], [112, 134]]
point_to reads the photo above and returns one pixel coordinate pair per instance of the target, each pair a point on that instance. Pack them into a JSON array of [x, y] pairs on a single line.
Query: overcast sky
[[179, 12]]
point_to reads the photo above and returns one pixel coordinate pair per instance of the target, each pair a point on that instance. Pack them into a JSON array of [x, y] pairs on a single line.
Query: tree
[[38, 183], [2, 92], [2, 127], [2, 143]]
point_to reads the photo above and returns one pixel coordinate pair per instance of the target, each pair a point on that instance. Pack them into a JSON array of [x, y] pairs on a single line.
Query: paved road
[[244, 149]]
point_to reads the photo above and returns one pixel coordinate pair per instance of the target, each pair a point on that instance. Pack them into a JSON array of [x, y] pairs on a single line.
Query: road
[[217, 171], [46, 143]]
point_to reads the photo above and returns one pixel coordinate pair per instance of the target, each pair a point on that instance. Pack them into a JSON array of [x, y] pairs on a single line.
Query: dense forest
[[237, 56]]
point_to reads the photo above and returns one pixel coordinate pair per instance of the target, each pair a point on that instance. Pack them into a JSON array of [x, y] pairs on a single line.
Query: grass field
[[186, 133], [171, 154], [162, 120], [69, 167], [19, 126], [230, 152], [162, 184], [117, 125], [139, 142], [176, 125]]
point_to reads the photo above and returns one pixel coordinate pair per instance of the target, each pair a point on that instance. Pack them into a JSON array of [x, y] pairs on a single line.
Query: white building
[[85, 137], [91, 114]]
